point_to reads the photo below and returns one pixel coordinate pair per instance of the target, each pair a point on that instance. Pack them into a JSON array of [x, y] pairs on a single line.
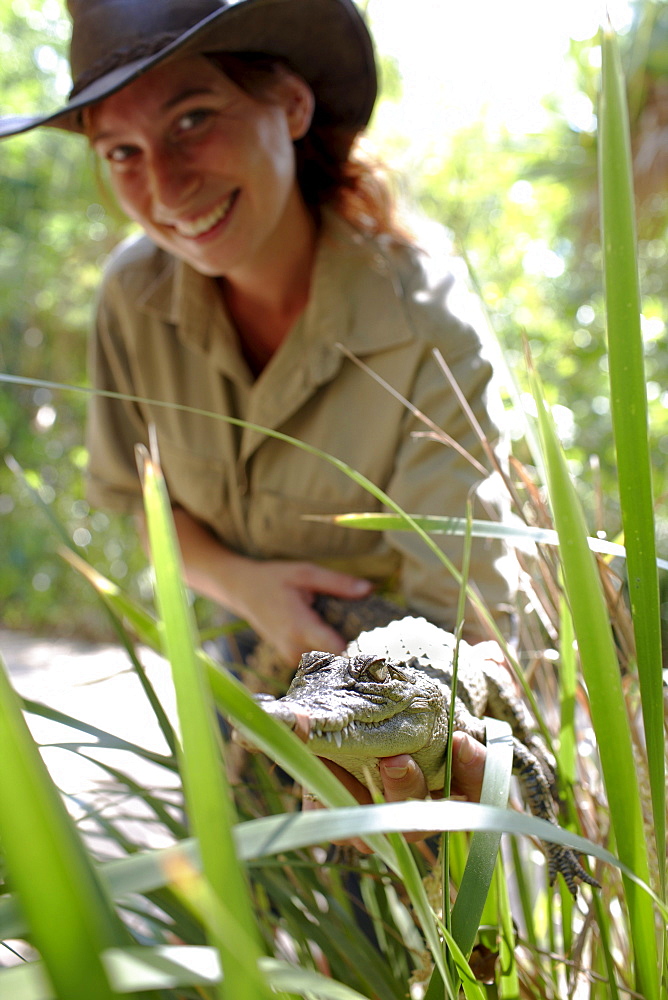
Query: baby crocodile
[[390, 693]]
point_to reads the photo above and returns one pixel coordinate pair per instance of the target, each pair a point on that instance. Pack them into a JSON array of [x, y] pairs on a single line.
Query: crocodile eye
[[377, 670]]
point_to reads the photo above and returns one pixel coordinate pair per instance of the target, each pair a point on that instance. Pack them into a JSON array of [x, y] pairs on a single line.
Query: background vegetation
[[523, 213], [521, 210]]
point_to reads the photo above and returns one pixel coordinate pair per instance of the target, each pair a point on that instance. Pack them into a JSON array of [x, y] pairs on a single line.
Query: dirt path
[[95, 684]]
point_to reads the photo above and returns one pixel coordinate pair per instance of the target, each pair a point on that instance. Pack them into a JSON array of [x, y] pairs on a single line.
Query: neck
[[265, 302]]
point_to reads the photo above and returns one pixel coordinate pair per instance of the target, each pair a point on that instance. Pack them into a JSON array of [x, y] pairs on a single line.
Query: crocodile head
[[364, 707]]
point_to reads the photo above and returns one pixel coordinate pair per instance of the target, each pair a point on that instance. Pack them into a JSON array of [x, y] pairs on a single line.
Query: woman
[[269, 257]]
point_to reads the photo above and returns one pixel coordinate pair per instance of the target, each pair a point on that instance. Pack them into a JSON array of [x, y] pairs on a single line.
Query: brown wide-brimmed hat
[[115, 41]]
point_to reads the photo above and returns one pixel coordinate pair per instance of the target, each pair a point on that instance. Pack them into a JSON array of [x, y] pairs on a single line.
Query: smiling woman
[[208, 171], [228, 132]]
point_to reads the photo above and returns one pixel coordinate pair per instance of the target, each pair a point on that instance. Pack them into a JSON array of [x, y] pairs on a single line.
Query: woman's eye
[[191, 119], [120, 154]]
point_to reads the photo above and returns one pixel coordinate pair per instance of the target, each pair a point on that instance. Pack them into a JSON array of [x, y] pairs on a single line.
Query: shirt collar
[[356, 299]]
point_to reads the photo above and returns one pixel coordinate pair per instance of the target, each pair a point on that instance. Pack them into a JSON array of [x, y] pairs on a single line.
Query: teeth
[[332, 736], [205, 222]]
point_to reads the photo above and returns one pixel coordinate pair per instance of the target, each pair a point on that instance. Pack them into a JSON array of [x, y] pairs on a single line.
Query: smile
[[206, 222]]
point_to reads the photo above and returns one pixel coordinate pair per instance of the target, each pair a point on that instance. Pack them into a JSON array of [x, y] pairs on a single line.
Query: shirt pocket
[[201, 486], [278, 528]]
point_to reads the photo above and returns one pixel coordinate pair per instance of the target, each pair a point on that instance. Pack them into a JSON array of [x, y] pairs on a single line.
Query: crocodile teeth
[[328, 737], [337, 738]]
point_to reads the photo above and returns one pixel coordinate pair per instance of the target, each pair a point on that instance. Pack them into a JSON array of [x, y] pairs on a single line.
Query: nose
[[172, 181]]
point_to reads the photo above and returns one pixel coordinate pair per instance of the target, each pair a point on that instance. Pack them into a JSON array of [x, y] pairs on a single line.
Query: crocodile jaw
[[357, 746]]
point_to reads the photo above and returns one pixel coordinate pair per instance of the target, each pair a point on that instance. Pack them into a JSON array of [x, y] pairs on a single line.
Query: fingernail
[[361, 586], [466, 751], [396, 770]]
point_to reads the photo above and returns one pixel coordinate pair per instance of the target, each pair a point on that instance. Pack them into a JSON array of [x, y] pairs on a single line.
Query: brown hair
[[331, 169]]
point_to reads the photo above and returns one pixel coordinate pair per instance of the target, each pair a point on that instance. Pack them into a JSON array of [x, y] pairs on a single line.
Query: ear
[[299, 103]]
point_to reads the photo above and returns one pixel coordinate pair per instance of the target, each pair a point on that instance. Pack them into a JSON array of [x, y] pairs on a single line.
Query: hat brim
[[324, 41]]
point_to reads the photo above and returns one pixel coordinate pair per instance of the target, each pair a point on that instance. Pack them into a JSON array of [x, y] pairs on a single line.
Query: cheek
[[129, 196]]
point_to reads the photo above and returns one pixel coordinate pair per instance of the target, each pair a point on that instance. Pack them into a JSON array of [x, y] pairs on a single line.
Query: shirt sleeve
[[115, 426], [433, 477]]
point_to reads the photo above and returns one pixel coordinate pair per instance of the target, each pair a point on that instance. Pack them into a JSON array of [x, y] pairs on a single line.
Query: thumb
[[468, 766], [402, 778]]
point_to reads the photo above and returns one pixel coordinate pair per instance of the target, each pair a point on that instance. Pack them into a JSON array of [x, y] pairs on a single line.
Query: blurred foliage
[[520, 209], [55, 231], [523, 211]]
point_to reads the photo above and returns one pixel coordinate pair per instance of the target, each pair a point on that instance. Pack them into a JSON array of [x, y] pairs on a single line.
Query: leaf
[[484, 849], [208, 799], [67, 909], [628, 397], [600, 667]]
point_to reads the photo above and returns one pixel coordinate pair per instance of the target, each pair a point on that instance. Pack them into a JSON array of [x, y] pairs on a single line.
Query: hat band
[[122, 57]]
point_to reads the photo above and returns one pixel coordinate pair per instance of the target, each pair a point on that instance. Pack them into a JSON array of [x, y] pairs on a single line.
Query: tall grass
[[246, 903]]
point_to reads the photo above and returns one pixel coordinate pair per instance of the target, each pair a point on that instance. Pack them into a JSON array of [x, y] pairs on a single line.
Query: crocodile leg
[[536, 782], [503, 703], [537, 793]]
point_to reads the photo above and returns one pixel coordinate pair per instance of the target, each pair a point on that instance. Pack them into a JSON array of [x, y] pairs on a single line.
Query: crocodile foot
[[563, 859]]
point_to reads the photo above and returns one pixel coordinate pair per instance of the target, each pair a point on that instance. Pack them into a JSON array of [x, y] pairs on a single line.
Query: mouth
[[205, 224], [331, 735]]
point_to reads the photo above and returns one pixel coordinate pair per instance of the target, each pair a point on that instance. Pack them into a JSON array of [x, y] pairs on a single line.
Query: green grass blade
[[67, 909], [69, 551], [600, 667], [209, 802], [628, 397], [263, 838], [509, 988], [170, 967], [26, 982], [567, 752], [605, 925], [139, 620], [484, 849], [306, 982], [100, 736], [471, 988], [483, 852], [435, 524], [414, 886]]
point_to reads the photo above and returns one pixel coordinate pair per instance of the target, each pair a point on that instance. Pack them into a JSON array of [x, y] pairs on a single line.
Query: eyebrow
[[169, 105], [184, 95]]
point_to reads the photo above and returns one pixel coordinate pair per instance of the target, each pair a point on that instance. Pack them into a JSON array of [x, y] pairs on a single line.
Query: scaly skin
[[383, 698]]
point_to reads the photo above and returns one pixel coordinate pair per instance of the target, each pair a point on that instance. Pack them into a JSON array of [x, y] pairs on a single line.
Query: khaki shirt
[[163, 334]]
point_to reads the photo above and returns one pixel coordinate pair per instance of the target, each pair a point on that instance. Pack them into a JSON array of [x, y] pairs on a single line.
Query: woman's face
[[207, 170]]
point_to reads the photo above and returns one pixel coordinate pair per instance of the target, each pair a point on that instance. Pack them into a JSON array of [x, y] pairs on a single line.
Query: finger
[[468, 766], [402, 778], [310, 802], [302, 726], [322, 580], [362, 795]]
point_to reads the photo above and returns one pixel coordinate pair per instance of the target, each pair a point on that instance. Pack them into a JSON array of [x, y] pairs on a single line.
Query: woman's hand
[[402, 780], [273, 596], [276, 597]]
